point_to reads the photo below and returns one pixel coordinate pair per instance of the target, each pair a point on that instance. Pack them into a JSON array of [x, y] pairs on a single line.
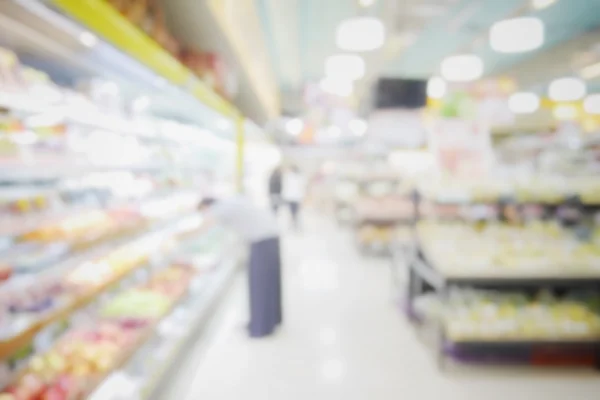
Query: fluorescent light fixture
[[366, 3], [565, 112], [540, 4], [591, 104], [345, 66], [567, 89], [462, 68], [524, 103], [436, 87], [88, 39], [294, 126], [360, 34], [358, 126], [337, 87], [517, 35], [590, 72]]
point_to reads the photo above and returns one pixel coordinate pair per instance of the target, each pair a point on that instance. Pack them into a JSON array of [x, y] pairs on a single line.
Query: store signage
[[461, 148]]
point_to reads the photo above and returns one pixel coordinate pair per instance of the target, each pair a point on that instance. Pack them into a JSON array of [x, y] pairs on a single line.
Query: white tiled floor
[[344, 339]]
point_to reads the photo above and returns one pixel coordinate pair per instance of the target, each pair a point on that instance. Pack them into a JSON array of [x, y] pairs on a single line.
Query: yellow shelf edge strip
[[106, 21]]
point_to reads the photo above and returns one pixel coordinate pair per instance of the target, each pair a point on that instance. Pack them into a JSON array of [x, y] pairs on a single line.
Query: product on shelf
[[83, 356], [480, 315], [495, 249]]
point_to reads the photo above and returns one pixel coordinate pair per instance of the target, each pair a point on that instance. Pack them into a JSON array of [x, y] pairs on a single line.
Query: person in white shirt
[[294, 188], [259, 228]]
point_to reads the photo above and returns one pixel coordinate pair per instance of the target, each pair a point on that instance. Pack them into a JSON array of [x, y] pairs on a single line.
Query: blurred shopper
[[275, 185], [294, 189], [259, 228]]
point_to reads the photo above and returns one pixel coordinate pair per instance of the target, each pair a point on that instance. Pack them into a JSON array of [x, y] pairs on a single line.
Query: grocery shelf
[[12, 345], [475, 343], [424, 277], [199, 307], [191, 310], [105, 20]]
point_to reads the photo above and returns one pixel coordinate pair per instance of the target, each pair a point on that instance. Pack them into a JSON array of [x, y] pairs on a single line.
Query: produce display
[[480, 316], [30, 301], [92, 348], [83, 356], [384, 208], [550, 190], [496, 249]]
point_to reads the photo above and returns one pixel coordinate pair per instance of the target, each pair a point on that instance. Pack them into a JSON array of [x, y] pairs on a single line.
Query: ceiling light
[[294, 126], [517, 35], [366, 3], [540, 4], [88, 39], [566, 89], [565, 112], [346, 66], [524, 103], [360, 34], [590, 72], [436, 88], [358, 126], [338, 87], [462, 68], [591, 104]]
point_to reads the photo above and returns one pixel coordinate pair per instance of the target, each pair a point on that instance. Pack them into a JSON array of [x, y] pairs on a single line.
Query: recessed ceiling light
[[294, 126], [88, 39], [524, 103], [360, 34], [540, 4], [436, 88], [517, 35], [566, 89], [345, 66], [366, 3], [462, 68]]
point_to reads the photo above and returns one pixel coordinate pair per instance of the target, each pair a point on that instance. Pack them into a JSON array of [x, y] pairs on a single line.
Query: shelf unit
[[125, 55], [103, 19], [12, 345], [424, 278], [193, 312]]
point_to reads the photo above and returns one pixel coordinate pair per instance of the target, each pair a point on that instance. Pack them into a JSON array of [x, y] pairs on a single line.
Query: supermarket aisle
[[343, 339]]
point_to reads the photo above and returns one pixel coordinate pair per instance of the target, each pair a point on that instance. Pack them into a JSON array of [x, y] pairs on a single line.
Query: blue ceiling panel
[[453, 32], [563, 21]]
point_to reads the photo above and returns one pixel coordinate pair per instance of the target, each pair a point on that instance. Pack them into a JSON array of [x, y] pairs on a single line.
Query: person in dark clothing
[[275, 188], [259, 228]]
